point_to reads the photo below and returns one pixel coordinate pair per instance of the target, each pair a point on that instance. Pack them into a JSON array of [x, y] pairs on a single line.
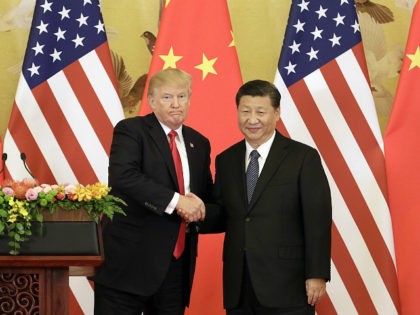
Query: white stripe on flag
[[14, 163], [41, 131], [101, 83], [360, 88], [339, 295], [290, 115], [83, 293], [80, 125], [352, 154], [358, 250]]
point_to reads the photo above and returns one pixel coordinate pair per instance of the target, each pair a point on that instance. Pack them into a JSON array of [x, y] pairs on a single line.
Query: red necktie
[[180, 243]]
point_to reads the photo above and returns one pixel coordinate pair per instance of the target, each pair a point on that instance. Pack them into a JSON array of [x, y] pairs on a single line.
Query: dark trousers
[[168, 300], [249, 305]]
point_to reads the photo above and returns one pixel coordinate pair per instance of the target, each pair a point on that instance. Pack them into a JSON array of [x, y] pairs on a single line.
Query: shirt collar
[[263, 149], [166, 129]]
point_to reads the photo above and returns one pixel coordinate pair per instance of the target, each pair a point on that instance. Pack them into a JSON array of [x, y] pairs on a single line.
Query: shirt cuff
[[172, 205]]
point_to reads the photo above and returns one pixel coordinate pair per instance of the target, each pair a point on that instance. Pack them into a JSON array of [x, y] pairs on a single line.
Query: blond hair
[[168, 76]]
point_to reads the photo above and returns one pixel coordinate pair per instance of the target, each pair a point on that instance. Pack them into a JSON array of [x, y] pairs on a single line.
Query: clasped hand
[[191, 208]]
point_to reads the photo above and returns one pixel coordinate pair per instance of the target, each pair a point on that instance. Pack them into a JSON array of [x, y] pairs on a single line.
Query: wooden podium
[[37, 280]]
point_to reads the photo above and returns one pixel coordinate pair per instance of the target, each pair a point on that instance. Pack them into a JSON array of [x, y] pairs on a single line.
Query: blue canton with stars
[[61, 32], [317, 32]]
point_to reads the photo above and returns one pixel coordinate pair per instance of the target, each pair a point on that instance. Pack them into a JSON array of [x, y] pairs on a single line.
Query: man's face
[[170, 104], [257, 119]]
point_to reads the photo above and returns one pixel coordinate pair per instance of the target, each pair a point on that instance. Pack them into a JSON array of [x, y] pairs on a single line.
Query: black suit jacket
[[284, 233], [139, 246]]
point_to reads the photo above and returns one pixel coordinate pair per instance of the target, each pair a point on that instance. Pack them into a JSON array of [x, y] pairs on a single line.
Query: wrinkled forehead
[[172, 89]]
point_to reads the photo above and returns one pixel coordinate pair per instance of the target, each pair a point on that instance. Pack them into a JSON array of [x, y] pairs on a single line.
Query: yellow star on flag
[[207, 66], [415, 59], [170, 59]]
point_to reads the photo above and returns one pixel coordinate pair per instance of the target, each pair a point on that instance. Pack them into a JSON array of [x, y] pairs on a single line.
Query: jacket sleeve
[[214, 221], [128, 175], [317, 216]]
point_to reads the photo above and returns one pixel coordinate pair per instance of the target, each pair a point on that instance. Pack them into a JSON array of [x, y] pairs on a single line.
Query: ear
[[151, 101], [277, 113]]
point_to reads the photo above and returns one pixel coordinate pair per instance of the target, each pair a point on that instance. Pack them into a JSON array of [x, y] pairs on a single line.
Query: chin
[[253, 136]]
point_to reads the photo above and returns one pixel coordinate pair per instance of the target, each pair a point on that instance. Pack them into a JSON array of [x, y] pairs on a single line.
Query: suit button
[[247, 219]]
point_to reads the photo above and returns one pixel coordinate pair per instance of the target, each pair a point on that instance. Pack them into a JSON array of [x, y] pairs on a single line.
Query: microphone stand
[[4, 158], [23, 158]]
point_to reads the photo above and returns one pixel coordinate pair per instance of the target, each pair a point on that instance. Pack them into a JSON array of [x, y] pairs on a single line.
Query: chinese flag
[[402, 152], [196, 36]]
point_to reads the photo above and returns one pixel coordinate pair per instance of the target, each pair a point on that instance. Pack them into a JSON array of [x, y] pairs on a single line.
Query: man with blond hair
[[158, 166]]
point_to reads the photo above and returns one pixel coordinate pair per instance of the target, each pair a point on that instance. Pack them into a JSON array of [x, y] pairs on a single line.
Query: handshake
[[191, 208]]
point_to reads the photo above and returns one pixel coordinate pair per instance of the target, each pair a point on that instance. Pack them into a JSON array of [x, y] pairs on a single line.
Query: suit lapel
[[238, 173], [192, 158], [278, 152], [159, 137]]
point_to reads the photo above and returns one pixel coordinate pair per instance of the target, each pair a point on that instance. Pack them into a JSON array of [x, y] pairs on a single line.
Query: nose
[[253, 119], [175, 102]]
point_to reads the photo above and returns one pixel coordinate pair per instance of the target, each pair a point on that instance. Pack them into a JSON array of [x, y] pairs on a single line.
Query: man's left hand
[[315, 289]]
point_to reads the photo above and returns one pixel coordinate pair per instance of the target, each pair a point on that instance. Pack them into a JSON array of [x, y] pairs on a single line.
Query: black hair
[[259, 88]]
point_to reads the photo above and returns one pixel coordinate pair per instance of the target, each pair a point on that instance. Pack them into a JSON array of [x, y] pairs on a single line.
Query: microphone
[[4, 158], [23, 158]]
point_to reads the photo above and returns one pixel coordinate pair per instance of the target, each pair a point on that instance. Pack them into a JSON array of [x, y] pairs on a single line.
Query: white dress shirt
[[180, 145], [263, 150]]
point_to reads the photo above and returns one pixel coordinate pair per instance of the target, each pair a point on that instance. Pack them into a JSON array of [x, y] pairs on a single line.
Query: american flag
[[66, 104], [327, 103]]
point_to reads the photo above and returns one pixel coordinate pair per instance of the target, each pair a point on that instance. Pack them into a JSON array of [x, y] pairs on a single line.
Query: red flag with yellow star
[[196, 36], [402, 152]]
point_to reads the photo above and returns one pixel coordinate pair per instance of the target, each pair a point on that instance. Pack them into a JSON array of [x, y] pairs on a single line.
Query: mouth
[[253, 129]]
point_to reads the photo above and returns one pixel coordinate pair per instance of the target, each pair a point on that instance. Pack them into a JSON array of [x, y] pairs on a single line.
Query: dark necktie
[[180, 243], [252, 173]]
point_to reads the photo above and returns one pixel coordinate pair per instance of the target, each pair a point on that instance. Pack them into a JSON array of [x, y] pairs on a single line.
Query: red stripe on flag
[[350, 274], [63, 133], [356, 121], [359, 53], [74, 307], [325, 306], [25, 142], [90, 103], [281, 127], [347, 185], [103, 53]]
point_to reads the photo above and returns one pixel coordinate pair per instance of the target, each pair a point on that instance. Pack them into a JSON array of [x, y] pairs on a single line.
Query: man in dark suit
[[150, 253], [274, 205]]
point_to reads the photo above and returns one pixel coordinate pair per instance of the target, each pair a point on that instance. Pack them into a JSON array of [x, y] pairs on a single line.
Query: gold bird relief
[[379, 13], [131, 93]]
